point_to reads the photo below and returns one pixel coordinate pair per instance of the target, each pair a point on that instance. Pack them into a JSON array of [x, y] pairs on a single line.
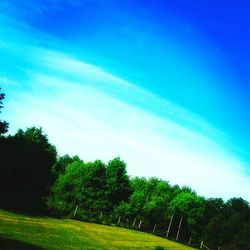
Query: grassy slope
[[24, 232]]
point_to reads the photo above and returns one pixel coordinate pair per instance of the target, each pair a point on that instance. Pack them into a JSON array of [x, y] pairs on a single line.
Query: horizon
[[165, 86]]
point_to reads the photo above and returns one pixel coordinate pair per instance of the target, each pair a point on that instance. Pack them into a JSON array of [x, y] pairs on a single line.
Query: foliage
[[118, 184], [3, 124], [83, 185], [189, 205], [62, 163], [242, 238], [25, 167]]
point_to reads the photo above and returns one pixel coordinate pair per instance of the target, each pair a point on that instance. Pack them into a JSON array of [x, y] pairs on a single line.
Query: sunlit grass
[[24, 232]]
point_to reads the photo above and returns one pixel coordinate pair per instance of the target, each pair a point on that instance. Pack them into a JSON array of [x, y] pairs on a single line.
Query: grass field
[[24, 232]]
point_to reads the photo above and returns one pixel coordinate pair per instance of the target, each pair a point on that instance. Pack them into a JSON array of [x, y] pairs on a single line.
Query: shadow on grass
[[11, 244]]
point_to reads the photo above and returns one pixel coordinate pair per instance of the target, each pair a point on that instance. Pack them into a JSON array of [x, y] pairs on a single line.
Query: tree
[[66, 192], [61, 164], [138, 198], [3, 124], [237, 214], [214, 216], [190, 206], [94, 187], [148, 202], [158, 198], [118, 184], [242, 238], [235, 205], [83, 185], [150, 199], [25, 169]]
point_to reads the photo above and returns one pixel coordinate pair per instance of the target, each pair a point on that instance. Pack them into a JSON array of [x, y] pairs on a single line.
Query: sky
[[162, 84]]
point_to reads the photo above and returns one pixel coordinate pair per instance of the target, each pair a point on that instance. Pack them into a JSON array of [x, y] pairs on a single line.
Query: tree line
[[35, 179]]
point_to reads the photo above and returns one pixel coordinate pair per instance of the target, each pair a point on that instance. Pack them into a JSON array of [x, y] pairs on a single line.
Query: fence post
[[119, 220], [134, 222], [154, 228], [100, 215], [75, 211], [140, 224], [201, 244], [170, 223], [179, 227], [190, 239]]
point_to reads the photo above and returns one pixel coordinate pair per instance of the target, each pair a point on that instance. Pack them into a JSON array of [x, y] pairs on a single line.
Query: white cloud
[[94, 114], [84, 112]]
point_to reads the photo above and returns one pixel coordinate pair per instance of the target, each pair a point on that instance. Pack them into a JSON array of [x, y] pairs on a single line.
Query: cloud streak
[[84, 112], [90, 112]]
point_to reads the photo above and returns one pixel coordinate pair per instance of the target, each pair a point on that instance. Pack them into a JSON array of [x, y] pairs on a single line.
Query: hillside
[[24, 232]]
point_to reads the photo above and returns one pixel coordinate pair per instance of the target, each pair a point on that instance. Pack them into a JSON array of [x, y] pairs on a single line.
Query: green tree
[[3, 124], [25, 169], [150, 199], [213, 218], [237, 214], [118, 184], [148, 202], [82, 185], [242, 239], [230, 228], [190, 206], [61, 164], [66, 194], [158, 198], [138, 197], [94, 187]]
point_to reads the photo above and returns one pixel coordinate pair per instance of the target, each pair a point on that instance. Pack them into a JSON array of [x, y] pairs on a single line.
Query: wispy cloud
[[90, 112]]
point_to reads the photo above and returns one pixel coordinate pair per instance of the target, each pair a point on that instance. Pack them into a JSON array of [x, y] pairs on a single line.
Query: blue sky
[[163, 84]]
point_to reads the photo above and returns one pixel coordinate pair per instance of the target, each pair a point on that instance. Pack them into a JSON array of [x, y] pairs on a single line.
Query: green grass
[[24, 232]]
